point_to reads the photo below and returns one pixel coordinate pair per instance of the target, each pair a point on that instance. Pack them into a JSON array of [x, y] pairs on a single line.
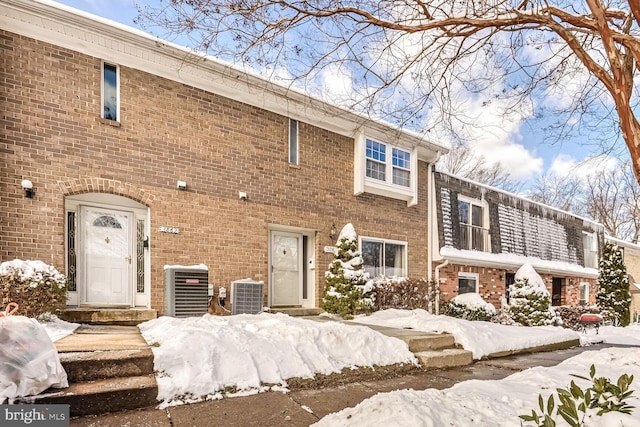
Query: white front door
[[286, 268], [107, 244]]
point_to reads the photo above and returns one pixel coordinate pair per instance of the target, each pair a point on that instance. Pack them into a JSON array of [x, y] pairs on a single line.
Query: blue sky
[[517, 144]]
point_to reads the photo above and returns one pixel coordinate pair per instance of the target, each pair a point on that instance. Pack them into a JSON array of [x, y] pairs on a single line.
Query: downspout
[[438, 267], [431, 220]]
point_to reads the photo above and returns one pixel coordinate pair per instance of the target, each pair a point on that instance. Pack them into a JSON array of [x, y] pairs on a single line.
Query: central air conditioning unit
[[247, 296], [186, 291]]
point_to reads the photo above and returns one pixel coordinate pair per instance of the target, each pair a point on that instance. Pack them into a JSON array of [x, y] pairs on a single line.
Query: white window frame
[[593, 250], [117, 67], [294, 145], [466, 275], [485, 218], [405, 254], [364, 184], [585, 286]]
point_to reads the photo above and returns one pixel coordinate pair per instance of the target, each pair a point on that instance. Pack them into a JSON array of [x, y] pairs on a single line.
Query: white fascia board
[[513, 262], [117, 43]]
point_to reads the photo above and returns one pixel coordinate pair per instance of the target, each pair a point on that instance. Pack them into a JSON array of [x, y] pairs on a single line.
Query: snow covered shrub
[[469, 306], [570, 315], [530, 302], [403, 293], [35, 286], [613, 285], [346, 291]]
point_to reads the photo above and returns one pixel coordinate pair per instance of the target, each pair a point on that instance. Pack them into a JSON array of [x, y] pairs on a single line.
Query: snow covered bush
[[35, 286], [530, 301], [403, 293], [613, 285], [469, 306], [346, 291]]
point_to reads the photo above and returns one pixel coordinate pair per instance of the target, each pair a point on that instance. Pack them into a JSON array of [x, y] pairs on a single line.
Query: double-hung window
[[385, 169], [384, 257], [378, 167], [590, 243], [110, 92], [473, 234]]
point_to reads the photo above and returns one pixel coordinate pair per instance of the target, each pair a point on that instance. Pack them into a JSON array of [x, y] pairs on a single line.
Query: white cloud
[[564, 165]]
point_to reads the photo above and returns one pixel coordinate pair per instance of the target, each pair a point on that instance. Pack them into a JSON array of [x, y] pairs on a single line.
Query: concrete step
[[106, 316], [445, 358], [297, 311], [431, 342], [97, 365], [102, 396]]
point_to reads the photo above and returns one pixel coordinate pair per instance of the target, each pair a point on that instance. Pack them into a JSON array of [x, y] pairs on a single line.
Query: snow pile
[[481, 338], [495, 403], [55, 327], [201, 357], [527, 272], [473, 301]]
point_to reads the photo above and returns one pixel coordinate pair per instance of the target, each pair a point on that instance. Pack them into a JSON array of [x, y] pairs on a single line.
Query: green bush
[[346, 292], [603, 396], [462, 311], [613, 294], [36, 287], [529, 300]]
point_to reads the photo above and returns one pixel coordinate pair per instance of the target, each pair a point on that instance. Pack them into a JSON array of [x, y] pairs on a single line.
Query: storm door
[[107, 251], [286, 268]]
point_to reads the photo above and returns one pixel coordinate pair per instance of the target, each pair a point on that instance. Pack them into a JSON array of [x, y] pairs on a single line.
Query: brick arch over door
[[102, 185]]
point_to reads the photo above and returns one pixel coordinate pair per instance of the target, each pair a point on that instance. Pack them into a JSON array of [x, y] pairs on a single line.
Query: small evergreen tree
[[529, 299], [345, 280], [613, 285]]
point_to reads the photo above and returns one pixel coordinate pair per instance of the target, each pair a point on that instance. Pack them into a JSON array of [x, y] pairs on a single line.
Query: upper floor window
[[590, 243], [293, 142], [379, 168], [110, 101], [384, 257], [385, 169], [473, 233]]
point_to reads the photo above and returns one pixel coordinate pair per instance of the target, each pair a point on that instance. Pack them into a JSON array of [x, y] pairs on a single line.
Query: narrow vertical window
[[293, 142], [140, 256], [71, 252], [401, 167], [110, 92]]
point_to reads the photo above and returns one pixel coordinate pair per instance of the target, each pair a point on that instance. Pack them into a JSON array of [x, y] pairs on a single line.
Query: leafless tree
[[565, 192], [612, 200], [462, 162], [412, 59]]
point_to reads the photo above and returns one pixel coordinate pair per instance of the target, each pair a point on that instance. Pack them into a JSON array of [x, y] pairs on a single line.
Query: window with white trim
[[473, 233], [384, 257], [110, 92], [584, 293], [590, 243], [293, 142], [467, 283], [379, 168]]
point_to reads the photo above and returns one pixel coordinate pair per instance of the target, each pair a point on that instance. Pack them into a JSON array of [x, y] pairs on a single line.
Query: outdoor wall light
[[182, 185], [27, 186], [333, 232]]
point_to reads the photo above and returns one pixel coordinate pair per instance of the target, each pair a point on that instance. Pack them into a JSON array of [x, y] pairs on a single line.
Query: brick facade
[[51, 133]]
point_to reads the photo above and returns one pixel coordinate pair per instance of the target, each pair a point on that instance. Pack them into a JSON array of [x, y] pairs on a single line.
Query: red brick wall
[[51, 133], [492, 284]]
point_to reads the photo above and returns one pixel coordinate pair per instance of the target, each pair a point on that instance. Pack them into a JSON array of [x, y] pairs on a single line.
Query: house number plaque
[[171, 230]]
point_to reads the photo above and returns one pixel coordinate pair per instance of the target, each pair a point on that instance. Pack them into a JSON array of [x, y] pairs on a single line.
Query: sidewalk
[[304, 407]]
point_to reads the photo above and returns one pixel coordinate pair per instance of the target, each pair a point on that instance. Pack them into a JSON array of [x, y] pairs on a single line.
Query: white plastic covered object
[[29, 362]]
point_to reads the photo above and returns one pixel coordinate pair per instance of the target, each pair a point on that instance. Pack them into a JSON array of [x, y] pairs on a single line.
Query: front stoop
[[109, 368], [107, 316]]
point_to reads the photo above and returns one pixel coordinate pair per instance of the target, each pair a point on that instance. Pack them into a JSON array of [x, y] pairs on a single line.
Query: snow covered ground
[[203, 357]]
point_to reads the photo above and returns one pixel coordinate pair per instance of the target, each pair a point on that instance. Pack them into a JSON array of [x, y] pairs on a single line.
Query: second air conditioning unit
[[247, 296]]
